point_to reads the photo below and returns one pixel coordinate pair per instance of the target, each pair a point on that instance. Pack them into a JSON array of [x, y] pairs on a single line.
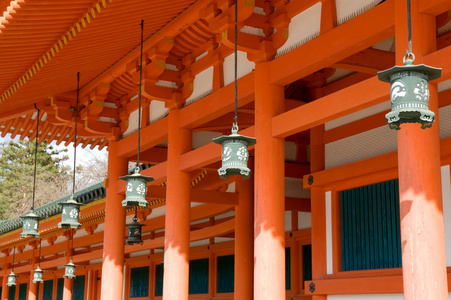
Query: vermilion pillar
[[113, 241], [269, 235], [244, 237], [177, 224], [32, 291], [6, 271], [422, 228]]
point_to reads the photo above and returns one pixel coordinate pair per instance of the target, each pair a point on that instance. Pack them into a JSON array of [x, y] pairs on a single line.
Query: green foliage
[[16, 176]]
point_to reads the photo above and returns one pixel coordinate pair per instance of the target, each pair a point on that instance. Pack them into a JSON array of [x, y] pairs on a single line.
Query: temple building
[[334, 203]]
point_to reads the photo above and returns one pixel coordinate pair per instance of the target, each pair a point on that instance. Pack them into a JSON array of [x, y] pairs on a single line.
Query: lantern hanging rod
[[139, 92], [75, 135], [236, 66], [409, 28], [71, 243], [14, 255], [35, 156], [39, 259]]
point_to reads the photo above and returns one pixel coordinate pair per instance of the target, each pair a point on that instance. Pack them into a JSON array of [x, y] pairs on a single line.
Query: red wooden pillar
[[6, 272], [176, 244], [244, 238], [422, 228], [113, 245], [33, 287], [269, 251]]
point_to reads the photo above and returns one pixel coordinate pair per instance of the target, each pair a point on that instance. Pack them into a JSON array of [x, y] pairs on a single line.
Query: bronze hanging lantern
[[12, 276], [70, 214], [134, 232], [70, 270], [234, 154], [11, 279], [136, 189], [30, 225], [410, 93], [30, 222], [37, 275]]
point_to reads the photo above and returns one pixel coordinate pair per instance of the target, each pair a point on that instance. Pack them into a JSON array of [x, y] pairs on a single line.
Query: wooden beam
[[297, 204], [356, 97], [434, 7], [196, 195], [355, 35], [368, 61]]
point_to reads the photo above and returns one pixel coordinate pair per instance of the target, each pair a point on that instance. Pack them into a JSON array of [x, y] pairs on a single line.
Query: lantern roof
[[431, 72]]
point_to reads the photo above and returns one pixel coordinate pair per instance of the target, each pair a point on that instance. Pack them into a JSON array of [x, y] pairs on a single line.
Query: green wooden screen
[[48, 290], [198, 276], [59, 289], [225, 276], [23, 291], [12, 293], [139, 282], [307, 261], [287, 268], [79, 288], [159, 280], [370, 228]]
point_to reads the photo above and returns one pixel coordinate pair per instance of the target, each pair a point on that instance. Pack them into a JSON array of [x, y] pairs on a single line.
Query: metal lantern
[[70, 270], [234, 154], [37, 275], [70, 214], [136, 189], [11, 279], [410, 93], [134, 232], [30, 225]]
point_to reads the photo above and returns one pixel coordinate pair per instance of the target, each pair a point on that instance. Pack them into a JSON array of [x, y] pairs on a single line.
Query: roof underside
[[43, 44]]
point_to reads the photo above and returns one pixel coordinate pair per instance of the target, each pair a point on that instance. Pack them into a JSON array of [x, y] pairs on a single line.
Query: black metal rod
[[35, 157], [75, 136], [236, 63], [39, 259], [71, 242], [409, 27], [14, 255], [139, 92]]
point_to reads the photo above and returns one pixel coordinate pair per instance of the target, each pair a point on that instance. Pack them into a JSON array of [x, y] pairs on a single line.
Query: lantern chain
[[35, 156], [235, 125], [71, 243], [409, 31], [75, 136], [139, 92]]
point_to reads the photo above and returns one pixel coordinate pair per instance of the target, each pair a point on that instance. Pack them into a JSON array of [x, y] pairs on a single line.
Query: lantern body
[[70, 270], [11, 279], [70, 214], [234, 154], [134, 233], [409, 94], [37, 275], [136, 189], [30, 225]]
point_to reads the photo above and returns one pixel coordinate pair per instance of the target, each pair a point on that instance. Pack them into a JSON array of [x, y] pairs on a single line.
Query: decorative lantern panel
[[409, 93], [11, 279], [134, 232], [70, 214], [70, 270], [30, 225], [37, 275], [234, 154], [136, 189]]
